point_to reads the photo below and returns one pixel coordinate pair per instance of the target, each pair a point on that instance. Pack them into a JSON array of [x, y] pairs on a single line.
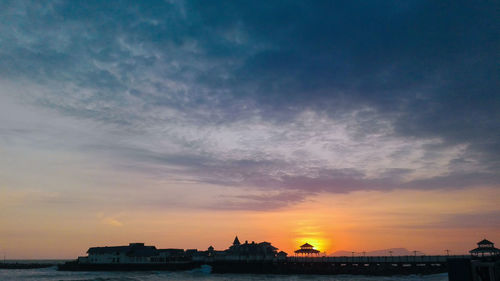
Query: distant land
[[384, 252]]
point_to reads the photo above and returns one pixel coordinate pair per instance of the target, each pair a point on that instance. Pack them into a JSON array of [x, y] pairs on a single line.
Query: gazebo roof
[[307, 251], [485, 247], [485, 250], [484, 242]]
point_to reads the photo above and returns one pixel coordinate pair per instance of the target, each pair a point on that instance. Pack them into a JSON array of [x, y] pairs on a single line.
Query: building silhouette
[[485, 248]]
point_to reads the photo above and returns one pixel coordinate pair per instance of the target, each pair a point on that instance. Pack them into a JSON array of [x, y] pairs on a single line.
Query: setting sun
[[319, 243]]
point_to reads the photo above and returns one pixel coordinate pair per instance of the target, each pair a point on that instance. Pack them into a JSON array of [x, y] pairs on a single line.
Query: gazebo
[[485, 248], [307, 250]]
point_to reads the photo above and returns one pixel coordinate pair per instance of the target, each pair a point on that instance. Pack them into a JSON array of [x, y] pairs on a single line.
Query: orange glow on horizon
[[312, 232], [320, 244], [358, 221]]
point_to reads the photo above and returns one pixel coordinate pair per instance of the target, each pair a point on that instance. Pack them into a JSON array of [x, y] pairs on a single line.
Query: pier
[[383, 265], [16, 265], [390, 265]]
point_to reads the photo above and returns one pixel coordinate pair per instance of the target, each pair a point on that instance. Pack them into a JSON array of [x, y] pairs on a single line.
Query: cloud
[[283, 98], [471, 220], [263, 201], [480, 220], [109, 220]]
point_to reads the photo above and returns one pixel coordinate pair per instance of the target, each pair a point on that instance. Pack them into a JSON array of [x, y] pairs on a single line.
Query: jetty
[[16, 265], [396, 265]]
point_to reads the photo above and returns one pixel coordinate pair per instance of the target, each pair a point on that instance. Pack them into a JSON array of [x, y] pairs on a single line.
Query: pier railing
[[377, 259], [382, 265], [432, 259]]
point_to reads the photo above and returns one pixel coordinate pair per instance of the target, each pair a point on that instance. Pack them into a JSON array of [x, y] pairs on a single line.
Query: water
[[51, 273], [34, 261]]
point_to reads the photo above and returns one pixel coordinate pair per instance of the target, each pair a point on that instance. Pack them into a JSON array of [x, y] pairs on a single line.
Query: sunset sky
[[351, 125]]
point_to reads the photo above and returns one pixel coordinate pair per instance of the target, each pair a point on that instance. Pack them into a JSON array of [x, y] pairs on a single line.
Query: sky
[[351, 125]]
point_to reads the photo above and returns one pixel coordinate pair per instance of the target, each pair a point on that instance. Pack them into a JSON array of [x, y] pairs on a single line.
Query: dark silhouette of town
[[483, 263]]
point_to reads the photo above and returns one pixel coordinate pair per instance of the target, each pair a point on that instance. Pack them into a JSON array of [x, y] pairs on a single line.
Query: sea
[[203, 274]]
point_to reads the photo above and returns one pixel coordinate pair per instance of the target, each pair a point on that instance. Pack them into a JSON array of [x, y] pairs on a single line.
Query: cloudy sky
[[183, 123]]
